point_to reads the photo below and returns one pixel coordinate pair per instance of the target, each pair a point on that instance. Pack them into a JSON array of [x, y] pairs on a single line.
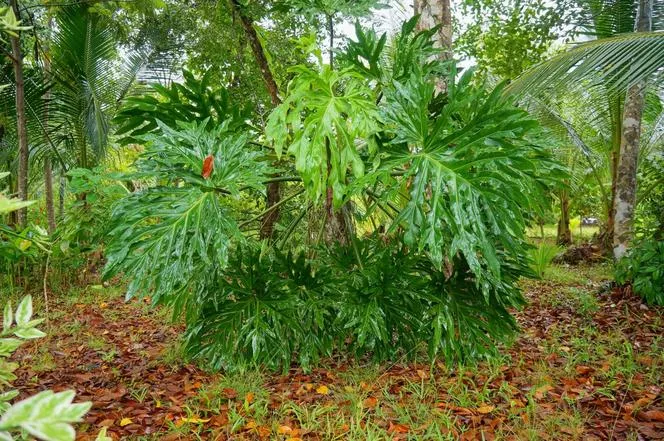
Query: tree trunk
[[433, 13], [273, 188], [20, 122], [61, 196], [330, 30], [564, 233], [48, 171], [337, 222], [48, 191], [605, 236], [625, 201]]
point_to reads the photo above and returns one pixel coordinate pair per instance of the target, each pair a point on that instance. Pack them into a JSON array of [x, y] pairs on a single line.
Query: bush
[[449, 180], [271, 308], [643, 267]]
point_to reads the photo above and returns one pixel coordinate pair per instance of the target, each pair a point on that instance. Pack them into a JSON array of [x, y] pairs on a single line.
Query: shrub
[[272, 308], [87, 220], [454, 176], [18, 246], [643, 267]]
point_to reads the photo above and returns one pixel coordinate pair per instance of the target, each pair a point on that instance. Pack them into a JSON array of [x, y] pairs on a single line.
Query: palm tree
[[625, 199], [603, 68], [90, 80]]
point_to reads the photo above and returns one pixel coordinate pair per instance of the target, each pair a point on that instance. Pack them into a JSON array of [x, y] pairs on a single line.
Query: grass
[[583, 234]]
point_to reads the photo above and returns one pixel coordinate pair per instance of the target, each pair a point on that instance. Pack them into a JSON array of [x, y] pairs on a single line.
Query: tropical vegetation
[[294, 183]]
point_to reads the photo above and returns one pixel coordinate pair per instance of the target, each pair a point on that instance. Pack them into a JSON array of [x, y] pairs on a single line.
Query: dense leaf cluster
[[644, 269], [271, 308]]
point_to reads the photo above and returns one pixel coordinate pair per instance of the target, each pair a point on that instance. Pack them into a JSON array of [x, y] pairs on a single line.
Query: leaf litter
[[136, 392]]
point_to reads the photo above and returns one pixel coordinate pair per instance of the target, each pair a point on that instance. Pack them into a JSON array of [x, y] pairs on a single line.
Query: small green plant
[[584, 301], [542, 256], [48, 415], [644, 269]]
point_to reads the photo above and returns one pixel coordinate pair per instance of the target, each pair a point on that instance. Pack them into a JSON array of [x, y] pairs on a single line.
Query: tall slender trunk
[[61, 196], [433, 13], [337, 222], [48, 193], [330, 30], [48, 171], [605, 236], [564, 233], [17, 60], [626, 183], [273, 189]]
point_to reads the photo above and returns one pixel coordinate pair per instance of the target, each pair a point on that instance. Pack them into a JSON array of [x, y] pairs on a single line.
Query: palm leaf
[[90, 79], [615, 62]]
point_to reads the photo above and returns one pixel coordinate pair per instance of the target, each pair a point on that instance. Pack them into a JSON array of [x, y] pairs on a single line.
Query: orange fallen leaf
[[229, 393], [371, 402], [642, 402], [195, 420], [263, 431], [541, 391], [284, 430], [583, 370], [323, 390], [250, 425], [398, 428], [125, 422], [485, 409], [655, 415], [249, 398]]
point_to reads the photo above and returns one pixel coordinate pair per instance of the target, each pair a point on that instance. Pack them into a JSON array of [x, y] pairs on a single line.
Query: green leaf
[[615, 62], [47, 415], [8, 317], [324, 122], [29, 333], [50, 431], [101, 436], [24, 311], [8, 346], [171, 238], [9, 395]]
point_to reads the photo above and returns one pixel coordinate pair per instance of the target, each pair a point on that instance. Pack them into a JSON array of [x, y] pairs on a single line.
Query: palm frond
[[91, 79], [615, 62]]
